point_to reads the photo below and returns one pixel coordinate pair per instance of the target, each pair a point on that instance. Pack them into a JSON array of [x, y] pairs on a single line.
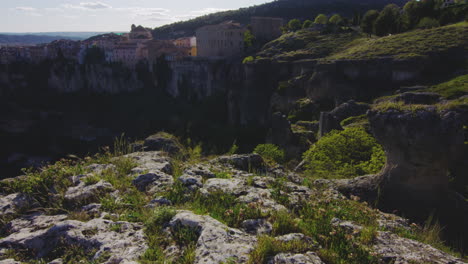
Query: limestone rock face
[[217, 243], [151, 161], [331, 120], [83, 193], [153, 182], [402, 250], [257, 226], [42, 234], [14, 203], [245, 162], [162, 142], [291, 258], [420, 147]]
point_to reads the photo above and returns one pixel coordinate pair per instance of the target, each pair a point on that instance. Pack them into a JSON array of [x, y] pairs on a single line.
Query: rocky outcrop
[[87, 193], [245, 162], [331, 120], [420, 146], [162, 142], [44, 235], [14, 203], [291, 258], [216, 243]]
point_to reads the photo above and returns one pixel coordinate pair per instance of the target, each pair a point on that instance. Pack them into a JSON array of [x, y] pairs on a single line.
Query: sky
[[105, 15]]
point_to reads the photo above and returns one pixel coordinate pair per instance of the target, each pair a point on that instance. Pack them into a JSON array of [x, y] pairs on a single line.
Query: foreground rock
[[84, 193], [112, 242], [291, 258], [217, 243], [14, 203], [162, 142]]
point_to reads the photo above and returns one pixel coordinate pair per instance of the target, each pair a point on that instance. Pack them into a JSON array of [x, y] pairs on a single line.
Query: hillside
[[305, 44], [30, 39], [286, 9]]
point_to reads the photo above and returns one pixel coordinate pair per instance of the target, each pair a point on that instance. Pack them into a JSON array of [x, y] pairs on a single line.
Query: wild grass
[[453, 88], [417, 43], [268, 247], [305, 44]]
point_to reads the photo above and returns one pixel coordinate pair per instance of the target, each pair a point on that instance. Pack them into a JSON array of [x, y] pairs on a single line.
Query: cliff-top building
[[223, 40], [266, 28], [188, 45]]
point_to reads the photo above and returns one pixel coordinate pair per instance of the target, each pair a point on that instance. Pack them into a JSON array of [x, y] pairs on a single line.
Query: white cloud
[[206, 11], [88, 6], [197, 13], [25, 8], [148, 14], [30, 11]]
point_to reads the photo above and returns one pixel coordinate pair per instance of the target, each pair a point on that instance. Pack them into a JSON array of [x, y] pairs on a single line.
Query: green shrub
[[270, 152], [248, 59], [344, 154], [428, 22]]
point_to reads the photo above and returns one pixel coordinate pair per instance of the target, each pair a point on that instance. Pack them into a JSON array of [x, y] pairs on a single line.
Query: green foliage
[[249, 39], [307, 24], [294, 24], [321, 19], [336, 20], [233, 150], [418, 43], [453, 88], [270, 152], [122, 146], [368, 21], [306, 44], [355, 120], [283, 223], [428, 22], [268, 247], [389, 21], [223, 175], [156, 238], [225, 208], [248, 59], [344, 154]]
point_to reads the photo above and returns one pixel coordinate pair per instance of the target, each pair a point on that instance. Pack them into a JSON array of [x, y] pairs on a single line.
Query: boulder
[[191, 181], [394, 249], [292, 258], [257, 226], [162, 142], [151, 161], [83, 193], [41, 235], [200, 170], [245, 162], [14, 203], [9, 261], [349, 109], [153, 182], [228, 186], [328, 123], [420, 147], [331, 120], [159, 201], [217, 243]]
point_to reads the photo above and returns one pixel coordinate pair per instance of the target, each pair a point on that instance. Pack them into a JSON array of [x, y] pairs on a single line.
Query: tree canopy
[[321, 19]]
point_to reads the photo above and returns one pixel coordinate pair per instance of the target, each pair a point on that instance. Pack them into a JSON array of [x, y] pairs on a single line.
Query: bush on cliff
[[344, 154], [270, 152]]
